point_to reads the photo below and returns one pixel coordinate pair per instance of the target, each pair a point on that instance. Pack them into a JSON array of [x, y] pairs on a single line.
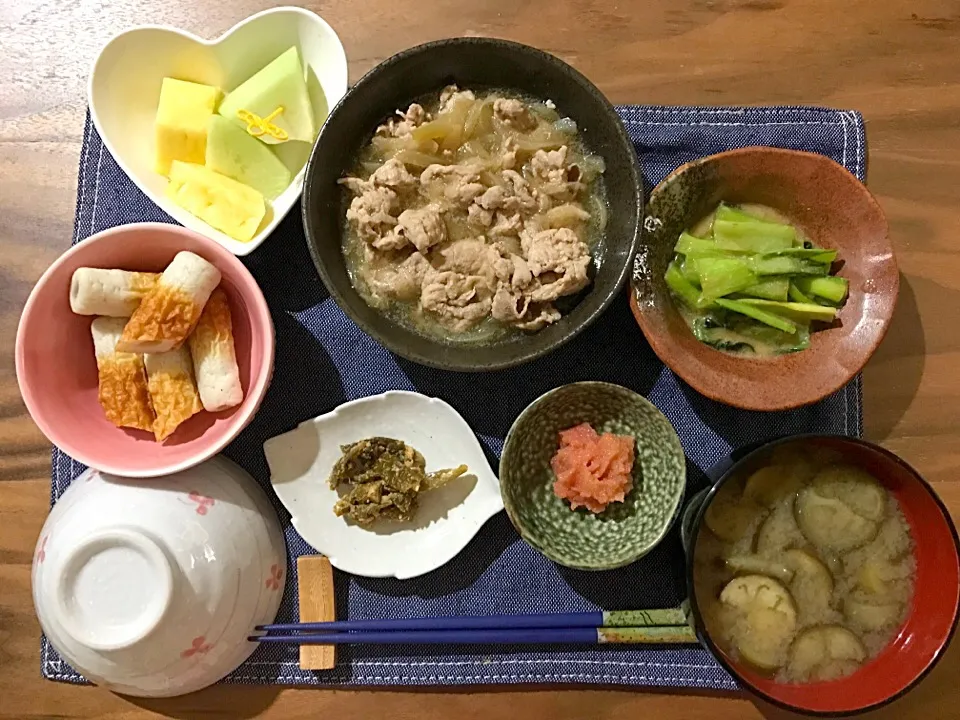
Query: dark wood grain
[[895, 61]]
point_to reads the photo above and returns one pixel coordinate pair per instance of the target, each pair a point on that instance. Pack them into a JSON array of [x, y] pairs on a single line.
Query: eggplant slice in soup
[[805, 568]]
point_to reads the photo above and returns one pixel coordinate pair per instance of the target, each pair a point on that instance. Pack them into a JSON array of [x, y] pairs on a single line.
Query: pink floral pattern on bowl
[[203, 502], [274, 582], [211, 570], [198, 647]]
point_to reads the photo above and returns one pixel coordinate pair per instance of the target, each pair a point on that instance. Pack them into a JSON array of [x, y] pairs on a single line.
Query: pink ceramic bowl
[[57, 370]]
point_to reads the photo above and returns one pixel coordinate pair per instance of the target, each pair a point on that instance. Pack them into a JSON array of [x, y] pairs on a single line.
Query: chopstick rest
[[317, 604]]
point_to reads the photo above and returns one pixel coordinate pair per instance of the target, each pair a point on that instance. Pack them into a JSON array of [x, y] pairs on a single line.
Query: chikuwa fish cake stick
[[123, 391], [111, 293], [172, 390], [214, 355], [170, 311]]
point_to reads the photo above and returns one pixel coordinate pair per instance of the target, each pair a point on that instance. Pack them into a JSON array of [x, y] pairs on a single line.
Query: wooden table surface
[[895, 61]]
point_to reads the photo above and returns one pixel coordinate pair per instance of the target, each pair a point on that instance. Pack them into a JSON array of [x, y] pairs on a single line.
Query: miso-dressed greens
[[747, 282]]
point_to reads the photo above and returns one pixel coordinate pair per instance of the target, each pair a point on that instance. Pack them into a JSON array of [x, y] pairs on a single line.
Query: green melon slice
[[233, 152], [281, 83]]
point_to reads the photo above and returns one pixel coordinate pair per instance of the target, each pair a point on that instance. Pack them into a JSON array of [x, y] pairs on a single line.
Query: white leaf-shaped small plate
[[446, 519], [125, 84]]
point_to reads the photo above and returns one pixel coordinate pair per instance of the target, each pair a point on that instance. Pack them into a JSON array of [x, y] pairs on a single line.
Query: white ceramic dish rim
[[279, 213], [485, 474]]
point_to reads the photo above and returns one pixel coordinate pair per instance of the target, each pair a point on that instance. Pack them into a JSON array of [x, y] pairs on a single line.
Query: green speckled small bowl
[[579, 539]]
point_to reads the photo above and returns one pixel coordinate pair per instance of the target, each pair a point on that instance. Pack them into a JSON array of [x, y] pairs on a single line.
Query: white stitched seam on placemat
[[843, 120], [728, 111], [858, 131], [96, 188], [83, 179], [858, 134], [530, 677], [511, 661], [846, 395], [730, 124]]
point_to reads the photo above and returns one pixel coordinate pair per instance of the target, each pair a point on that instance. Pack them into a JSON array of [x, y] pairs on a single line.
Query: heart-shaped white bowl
[[125, 88]]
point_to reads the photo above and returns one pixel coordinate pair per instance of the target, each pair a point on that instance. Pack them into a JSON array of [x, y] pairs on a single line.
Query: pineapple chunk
[[229, 206], [183, 115]]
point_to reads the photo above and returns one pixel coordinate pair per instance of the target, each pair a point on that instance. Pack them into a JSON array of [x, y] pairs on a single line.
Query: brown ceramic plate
[[834, 209]]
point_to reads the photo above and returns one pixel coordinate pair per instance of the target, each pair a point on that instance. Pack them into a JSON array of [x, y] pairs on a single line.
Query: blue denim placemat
[[323, 359]]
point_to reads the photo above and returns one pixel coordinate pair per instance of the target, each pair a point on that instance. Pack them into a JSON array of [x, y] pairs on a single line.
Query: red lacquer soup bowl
[[931, 617]]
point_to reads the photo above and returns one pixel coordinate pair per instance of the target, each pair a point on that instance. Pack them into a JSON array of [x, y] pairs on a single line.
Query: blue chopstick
[[441, 637], [477, 622], [514, 636], [611, 618]]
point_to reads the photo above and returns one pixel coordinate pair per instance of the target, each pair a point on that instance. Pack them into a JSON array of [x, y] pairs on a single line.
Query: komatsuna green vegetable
[[769, 288], [797, 311], [680, 286], [833, 289], [785, 265], [753, 284], [753, 236], [733, 214], [721, 276], [746, 307], [797, 295]]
